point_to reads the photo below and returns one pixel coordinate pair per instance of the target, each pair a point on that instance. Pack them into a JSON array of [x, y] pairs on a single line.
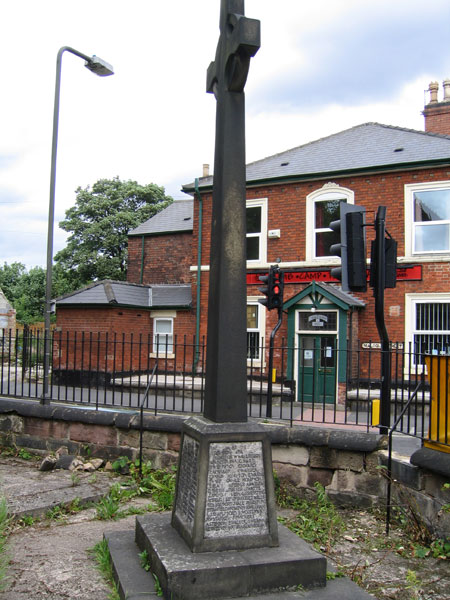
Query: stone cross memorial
[[223, 539]]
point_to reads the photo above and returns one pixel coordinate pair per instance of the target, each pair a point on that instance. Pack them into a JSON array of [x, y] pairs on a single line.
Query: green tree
[[10, 277], [25, 290], [99, 224]]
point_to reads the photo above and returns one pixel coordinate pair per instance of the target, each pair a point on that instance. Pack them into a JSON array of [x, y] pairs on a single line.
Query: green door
[[317, 368]]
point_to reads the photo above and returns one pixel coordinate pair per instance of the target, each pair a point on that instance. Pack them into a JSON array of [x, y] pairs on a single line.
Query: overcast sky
[[323, 66]]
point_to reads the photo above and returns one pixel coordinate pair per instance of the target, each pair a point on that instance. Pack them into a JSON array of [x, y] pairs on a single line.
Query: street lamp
[[103, 69]]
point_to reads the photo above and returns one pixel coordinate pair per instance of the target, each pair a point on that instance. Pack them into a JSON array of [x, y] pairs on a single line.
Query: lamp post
[[103, 69]]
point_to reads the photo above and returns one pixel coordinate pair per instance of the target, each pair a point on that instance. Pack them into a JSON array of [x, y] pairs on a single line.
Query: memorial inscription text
[[187, 482], [236, 502]]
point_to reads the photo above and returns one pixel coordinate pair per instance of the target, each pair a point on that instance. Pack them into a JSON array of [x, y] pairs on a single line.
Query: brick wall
[[114, 339], [167, 259]]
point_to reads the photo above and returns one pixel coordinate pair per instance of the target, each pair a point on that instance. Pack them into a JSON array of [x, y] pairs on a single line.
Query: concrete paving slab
[[29, 491]]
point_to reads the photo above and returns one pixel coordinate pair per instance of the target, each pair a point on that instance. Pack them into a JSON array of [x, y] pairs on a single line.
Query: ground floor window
[[163, 335], [427, 326], [431, 334], [254, 336]]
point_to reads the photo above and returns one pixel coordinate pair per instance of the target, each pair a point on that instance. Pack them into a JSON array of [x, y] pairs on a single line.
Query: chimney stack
[[206, 167], [446, 85], [437, 114]]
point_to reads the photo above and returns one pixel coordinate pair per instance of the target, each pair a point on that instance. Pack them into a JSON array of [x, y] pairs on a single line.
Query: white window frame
[[261, 329], [411, 300], [262, 260], [170, 345], [330, 191], [409, 218]]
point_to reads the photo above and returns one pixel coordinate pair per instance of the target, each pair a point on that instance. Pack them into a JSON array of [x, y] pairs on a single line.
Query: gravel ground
[[385, 567]]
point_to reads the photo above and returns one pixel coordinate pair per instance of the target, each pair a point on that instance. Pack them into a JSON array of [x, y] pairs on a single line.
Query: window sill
[[428, 257], [162, 355]]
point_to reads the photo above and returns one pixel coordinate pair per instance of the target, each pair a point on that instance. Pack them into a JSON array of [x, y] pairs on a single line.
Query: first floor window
[[254, 233], [253, 334], [427, 218], [432, 220], [322, 208], [163, 336], [256, 230], [326, 211]]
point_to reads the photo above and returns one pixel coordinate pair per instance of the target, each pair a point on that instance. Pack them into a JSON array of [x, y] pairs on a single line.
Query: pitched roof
[[121, 293], [327, 290], [177, 217], [363, 147]]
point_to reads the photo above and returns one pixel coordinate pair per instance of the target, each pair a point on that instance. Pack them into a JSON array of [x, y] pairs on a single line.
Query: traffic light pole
[[378, 291], [271, 346]]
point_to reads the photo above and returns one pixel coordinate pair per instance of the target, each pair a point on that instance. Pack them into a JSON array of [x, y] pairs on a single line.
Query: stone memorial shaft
[[226, 368], [224, 498]]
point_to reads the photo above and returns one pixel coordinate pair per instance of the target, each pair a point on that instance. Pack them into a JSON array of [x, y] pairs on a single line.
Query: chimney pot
[[433, 89], [206, 168], [446, 84]]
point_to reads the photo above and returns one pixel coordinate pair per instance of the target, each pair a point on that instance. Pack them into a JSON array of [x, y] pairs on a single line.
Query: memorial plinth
[[186, 575], [223, 539], [224, 493]]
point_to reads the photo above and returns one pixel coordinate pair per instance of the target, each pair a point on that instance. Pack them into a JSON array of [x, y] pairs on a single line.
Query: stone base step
[[223, 575]]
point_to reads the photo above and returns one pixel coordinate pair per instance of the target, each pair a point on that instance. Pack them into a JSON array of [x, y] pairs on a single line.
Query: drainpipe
[[199, 274], [141, 278]]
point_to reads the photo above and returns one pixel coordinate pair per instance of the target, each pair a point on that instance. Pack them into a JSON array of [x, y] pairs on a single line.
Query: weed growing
[[317, 521], [60, 511], [5, 521], [102, 558], [157, 483], [146, 565], [28, 521], [108, 508], [18, 452]]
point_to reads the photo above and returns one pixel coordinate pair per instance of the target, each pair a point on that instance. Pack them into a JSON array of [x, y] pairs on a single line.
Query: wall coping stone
[[356, 440], [432, 460], [124, 419]]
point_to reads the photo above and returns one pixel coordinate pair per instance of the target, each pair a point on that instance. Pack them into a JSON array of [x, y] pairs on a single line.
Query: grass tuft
[[102, 558], [5, 521]]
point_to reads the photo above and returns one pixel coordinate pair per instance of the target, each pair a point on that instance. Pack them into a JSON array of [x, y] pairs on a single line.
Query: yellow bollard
[[375, 412], [274, 375], [438, 368]]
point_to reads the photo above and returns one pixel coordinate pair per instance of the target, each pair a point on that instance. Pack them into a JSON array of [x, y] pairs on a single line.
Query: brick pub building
[[291, 199]]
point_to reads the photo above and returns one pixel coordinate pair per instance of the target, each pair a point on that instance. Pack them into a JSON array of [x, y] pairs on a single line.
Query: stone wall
[[346, 463]]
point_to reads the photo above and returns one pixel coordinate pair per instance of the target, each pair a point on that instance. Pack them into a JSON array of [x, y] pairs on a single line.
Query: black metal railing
[[316, 382]]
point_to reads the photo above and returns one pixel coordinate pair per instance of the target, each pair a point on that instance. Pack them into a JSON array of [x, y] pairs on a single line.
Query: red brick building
[[291, 199]]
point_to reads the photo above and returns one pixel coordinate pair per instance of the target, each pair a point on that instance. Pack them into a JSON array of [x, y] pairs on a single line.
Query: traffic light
[[273, 289], [352, 248], [390, 263]]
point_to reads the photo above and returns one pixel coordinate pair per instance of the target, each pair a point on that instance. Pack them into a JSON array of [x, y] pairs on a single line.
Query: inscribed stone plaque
[[187, 482], [236, 503]]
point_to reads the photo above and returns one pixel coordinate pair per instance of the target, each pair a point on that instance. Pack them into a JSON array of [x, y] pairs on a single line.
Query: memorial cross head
[[239, 40]]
